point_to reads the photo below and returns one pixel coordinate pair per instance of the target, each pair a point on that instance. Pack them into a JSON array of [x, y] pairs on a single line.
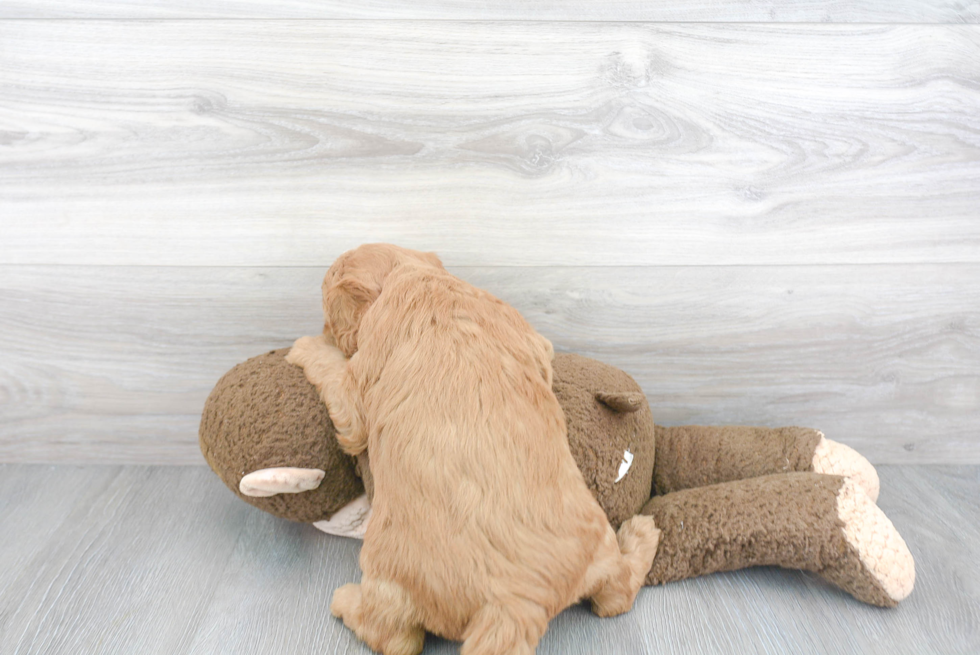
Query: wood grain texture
[[812, 11], [138, 562], [166, 560], [113, 364], [265, 143]]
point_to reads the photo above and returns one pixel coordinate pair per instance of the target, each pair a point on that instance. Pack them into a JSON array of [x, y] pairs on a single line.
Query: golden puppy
[[482, 528]]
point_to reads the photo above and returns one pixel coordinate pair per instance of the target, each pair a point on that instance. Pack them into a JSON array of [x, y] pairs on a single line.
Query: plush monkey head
[[267, 435]]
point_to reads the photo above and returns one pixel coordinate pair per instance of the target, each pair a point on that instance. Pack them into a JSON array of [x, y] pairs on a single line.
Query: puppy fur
[[483, 528]]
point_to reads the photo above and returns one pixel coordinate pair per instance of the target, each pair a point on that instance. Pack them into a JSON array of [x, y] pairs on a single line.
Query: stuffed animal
[[724, 498]]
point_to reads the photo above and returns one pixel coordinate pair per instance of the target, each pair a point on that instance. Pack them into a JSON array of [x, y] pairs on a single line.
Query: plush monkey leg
[[820, 523], [691, 456]]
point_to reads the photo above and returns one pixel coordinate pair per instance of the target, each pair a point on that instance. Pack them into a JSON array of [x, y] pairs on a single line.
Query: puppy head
[[355, 281]]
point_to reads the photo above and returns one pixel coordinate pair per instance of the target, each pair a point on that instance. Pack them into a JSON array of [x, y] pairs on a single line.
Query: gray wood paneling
[[166, 560], [814, 11], [244, 143], [112, 364]]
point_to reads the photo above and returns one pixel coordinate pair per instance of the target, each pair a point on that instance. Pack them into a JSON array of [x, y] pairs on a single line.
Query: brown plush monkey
[[725, 497]]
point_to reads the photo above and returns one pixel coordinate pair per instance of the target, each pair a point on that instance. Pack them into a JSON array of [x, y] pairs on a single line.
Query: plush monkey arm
[[694, 456], [820, 523]]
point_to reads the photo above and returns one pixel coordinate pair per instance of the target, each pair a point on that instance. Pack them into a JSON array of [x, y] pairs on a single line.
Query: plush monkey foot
[[878, 568], [821, 523], [835, 458]]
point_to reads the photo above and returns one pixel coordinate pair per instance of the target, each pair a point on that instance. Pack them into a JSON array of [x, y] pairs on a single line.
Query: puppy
[[483, 528]]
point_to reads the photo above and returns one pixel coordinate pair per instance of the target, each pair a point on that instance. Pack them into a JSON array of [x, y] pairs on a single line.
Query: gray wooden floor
[[136, 559]]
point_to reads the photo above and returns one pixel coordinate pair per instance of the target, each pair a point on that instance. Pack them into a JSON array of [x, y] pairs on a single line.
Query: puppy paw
[[639, 539], [640, 533], [301, 352], [306, 350], [346, 605]]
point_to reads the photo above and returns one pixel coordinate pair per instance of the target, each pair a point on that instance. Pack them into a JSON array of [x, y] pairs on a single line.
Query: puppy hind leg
[[621, 566], [381, 614], [638, 540], [505, 629], [346, 605]]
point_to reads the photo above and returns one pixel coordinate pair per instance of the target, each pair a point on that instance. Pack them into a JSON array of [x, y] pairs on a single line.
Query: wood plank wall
[[767, 212]]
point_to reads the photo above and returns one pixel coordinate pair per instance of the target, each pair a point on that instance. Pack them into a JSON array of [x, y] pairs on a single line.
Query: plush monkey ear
[[621, 402], [280, 480], [344, 304]]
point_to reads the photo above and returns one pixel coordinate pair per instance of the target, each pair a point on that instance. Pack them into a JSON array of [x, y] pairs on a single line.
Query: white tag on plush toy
[[625, 465]]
